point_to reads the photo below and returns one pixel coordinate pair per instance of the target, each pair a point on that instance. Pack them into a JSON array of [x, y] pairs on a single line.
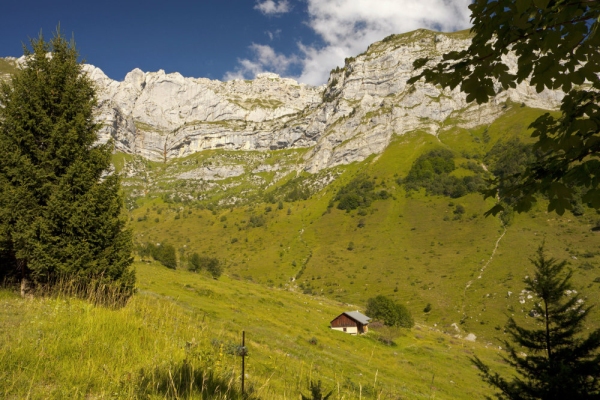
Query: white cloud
[[273, 35], [271, 7], [347, 27], [265, 60]]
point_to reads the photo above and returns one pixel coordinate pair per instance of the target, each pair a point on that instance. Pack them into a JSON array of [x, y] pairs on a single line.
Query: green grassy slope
[[57, 348], [409, 248], [292, 272]]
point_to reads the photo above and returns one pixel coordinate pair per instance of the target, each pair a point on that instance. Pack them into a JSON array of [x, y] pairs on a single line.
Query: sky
[[223, 39]]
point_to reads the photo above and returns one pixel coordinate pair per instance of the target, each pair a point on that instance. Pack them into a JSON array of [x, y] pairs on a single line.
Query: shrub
[[210, 264], [431, 172], [164, 253], [316, 392], [358, 193], [391, 313], [256, 221], [459, 210]]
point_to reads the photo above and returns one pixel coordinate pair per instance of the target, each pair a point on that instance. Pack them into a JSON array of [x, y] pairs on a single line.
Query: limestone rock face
[[161, 116]]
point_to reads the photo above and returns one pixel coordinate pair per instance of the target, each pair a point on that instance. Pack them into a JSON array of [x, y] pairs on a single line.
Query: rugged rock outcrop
[[161, 116]]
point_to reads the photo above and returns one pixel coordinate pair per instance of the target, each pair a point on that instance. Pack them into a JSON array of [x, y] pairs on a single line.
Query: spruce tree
[[559, 362], [60, 208]]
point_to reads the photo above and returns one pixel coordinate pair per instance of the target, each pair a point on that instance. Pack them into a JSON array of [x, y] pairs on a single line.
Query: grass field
[[58, 348], [412, 249], [290, 268]]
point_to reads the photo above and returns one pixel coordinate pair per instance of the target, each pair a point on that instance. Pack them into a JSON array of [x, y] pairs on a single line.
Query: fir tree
[[60, 208], [560, 363]]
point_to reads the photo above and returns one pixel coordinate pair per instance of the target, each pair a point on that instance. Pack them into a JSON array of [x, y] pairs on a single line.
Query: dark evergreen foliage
[[508, 160], [164, 253], [256, 221], [561, 363], [432, 172], [60, 209], [384, 309]]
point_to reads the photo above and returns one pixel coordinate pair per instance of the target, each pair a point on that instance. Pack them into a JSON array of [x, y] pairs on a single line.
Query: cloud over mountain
[[346, 28]]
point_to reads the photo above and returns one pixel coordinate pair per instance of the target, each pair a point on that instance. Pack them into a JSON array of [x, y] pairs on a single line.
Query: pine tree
[[560, 363], [60, 208]]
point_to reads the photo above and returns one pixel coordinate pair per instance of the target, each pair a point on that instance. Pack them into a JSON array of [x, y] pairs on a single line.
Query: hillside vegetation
[[293, 259], [414, 247], [66, 348]]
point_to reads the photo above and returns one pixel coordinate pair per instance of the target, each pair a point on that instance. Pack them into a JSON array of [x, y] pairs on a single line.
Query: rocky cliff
[[162, 116]]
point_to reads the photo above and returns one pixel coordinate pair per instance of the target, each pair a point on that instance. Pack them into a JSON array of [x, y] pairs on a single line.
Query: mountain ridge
[[163, 116]]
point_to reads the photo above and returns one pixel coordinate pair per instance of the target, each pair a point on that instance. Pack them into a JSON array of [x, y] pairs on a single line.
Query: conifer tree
[[559, 362], [60, 208]]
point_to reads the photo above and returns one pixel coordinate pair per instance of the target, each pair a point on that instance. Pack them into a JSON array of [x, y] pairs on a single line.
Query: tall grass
[[64, 347], [177, 339], [97, 291]]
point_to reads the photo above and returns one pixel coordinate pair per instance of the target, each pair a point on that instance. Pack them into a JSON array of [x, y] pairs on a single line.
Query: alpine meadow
[[423, 226]]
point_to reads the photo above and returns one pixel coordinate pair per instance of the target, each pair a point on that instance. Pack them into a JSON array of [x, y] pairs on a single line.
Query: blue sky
[[224, 39]]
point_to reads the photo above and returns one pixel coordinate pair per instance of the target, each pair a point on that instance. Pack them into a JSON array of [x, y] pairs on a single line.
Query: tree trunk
[[26, 286]]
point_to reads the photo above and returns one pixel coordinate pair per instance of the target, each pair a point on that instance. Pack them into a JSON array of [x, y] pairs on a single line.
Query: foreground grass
[[68, 348], [187, 324]]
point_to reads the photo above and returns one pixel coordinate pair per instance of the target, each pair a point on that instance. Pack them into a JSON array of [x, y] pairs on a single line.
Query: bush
[[358, 193], [459, 210], [164, 253], [391, 313], [431, 172], [316, 392], [211, 264], [256, 221], [295, 189]]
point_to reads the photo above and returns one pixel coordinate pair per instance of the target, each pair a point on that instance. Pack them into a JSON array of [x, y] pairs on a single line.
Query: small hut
[[352, 322]]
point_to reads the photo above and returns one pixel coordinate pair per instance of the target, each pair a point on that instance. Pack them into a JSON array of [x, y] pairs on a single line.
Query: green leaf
[[420, 62], [494, 210]]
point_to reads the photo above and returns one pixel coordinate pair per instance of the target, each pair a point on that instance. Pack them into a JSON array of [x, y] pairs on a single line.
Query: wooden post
[[243, 359]]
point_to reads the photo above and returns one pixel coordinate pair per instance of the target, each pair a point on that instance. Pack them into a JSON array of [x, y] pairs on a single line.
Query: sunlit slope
[[279, 325], [414, 249], [68, 348]]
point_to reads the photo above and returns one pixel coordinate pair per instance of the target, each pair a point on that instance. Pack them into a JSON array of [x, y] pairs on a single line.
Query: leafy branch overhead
[[555, 43]]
